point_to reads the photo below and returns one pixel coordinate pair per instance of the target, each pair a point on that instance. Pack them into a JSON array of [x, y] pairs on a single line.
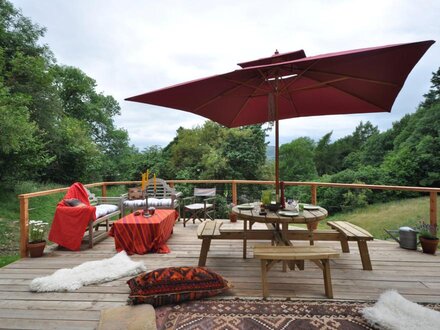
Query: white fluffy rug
[[91, 272], [392, 311]]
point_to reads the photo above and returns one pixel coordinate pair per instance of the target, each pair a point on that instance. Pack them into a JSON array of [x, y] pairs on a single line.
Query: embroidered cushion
[[104, 209], [175, 284]]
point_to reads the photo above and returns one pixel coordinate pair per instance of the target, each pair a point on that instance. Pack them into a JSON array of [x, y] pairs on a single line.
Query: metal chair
[[200, 206]]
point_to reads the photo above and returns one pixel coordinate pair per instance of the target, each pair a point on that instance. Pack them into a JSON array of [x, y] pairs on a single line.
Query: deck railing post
[[234, 192], [314, 189], [104, 190], [24, 225], [433, 210]]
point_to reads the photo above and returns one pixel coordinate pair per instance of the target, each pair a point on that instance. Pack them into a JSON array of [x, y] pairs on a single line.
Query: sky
[[132, 47]]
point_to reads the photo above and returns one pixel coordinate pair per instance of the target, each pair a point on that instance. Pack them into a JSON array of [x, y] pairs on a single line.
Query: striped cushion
[[175, 284], [159, 201], [156, 202], [135, 203]]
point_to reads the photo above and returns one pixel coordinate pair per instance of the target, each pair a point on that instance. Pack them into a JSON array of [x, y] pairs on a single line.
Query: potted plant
[[428, 238], [37, 234]]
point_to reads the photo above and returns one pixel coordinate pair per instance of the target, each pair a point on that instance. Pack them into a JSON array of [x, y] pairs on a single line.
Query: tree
[[325, 158], [22, 151], [433, 96], [416, 157], [297, 160], [77, 156], [81, 101]]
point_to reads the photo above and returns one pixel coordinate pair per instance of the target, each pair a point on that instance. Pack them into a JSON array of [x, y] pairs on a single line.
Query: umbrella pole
[[277, 147], [277, 162]]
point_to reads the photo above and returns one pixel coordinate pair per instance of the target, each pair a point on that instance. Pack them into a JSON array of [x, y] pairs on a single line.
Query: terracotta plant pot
[[232, 217], [429, 245], [36, 249]]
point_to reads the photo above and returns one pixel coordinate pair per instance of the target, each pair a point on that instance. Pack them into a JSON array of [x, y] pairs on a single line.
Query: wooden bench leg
[[90, 234], [206, 243], [327, 278], [264, 279], [344, 245], [365, 255]]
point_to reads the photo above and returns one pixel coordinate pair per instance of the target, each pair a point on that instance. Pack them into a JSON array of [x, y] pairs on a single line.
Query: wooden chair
[[199, 206], [160, 196], [75, 215]]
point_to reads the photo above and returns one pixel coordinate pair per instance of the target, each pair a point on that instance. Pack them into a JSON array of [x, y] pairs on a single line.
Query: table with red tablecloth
[[137, 234]]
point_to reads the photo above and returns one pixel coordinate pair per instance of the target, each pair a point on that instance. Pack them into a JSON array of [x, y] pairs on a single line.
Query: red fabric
[[140, 235], [69, 223]]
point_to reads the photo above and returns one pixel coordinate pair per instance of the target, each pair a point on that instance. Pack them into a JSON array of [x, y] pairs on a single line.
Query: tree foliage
[[297, 160], [66, 130]]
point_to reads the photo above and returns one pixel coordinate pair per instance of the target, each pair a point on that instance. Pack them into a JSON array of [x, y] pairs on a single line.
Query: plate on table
[[288, 213], [311, 207], [245, 207]]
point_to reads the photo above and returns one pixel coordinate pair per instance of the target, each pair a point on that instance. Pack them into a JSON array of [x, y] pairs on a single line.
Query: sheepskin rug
[[91, 272], [394, 312]]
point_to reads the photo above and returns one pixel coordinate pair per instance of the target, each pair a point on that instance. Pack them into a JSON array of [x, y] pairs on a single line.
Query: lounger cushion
[[175, 284], [104, 209]]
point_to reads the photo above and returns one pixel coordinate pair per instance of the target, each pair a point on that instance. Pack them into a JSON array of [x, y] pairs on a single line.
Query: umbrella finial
[[276, 52]]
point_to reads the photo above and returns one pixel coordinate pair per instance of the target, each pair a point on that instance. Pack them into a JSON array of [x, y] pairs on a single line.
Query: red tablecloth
[[140, 235]]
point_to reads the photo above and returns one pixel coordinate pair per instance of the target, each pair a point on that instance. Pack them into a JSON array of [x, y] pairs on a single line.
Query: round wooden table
[[275, 220]]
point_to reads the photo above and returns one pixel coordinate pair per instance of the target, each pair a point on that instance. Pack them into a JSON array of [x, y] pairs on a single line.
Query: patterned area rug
[[240, 313]]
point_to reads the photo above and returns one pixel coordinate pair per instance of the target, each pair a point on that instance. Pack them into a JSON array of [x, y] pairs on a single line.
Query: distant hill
[[270, 152]]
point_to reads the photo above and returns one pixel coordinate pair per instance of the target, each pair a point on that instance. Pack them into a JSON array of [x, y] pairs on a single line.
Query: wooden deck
[[413, 274]]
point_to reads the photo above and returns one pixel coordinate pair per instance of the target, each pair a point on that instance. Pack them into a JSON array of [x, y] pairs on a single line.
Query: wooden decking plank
[[413, 274], [48, 314], [11, 323]]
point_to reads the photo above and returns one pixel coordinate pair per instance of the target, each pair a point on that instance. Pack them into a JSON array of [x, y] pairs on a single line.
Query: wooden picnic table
[[279, 231], [278, 222]]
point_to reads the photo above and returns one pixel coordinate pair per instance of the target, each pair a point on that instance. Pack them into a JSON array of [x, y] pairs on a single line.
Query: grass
[[392, 215]]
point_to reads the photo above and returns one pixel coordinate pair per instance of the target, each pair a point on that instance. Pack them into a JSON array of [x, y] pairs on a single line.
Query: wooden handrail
[[24, 198]]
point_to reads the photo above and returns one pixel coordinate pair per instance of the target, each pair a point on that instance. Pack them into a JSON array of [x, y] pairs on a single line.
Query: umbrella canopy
[[292, 85]]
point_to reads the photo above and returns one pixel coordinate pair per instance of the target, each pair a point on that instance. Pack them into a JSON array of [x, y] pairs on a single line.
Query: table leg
[[206, 243], [244, 238]]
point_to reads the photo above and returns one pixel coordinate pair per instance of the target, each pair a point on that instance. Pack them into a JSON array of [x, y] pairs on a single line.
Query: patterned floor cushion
[[175, 284]]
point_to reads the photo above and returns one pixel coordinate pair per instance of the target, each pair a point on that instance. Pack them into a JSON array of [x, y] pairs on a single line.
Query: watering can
[[407, 237]]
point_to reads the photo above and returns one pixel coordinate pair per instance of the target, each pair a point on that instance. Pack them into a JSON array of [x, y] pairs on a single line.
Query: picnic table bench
[[270, 255], [343, 232]]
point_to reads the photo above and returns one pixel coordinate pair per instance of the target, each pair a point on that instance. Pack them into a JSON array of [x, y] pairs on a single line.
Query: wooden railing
[[24, 198]]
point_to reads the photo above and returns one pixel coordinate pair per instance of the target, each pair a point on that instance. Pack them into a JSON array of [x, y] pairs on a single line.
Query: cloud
[[131, 47]]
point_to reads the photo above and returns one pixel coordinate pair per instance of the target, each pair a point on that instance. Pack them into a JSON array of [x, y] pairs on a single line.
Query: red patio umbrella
[[293, 85]]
